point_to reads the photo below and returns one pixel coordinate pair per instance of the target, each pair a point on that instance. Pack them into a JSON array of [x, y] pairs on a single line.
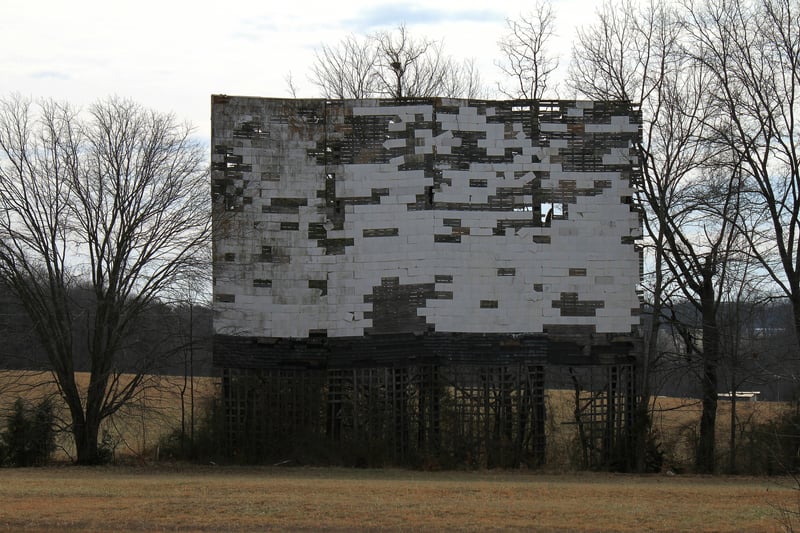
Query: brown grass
[[254, 499], [135, 430], [257, 499], [676, 422]]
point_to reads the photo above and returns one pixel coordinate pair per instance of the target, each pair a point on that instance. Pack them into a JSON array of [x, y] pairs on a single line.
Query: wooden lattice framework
[[476, 415]]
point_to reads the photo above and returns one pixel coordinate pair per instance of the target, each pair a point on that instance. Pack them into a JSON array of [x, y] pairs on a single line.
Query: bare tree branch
[[527, 60], [346, 70], [752, 51], [392, 64], [115, 199]]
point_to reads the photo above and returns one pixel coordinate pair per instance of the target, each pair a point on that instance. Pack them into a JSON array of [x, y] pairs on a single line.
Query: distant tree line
[[161, 337]]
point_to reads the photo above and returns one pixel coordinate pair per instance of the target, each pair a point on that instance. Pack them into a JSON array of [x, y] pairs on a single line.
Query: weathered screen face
[[345, 218]]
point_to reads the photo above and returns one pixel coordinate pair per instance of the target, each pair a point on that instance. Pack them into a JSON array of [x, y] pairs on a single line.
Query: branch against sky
[[751, 50], [114, 199], [392, 64], [346, 69], [527, 59]]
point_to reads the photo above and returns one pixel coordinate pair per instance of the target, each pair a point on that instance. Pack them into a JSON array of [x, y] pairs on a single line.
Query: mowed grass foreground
[[192, 498]]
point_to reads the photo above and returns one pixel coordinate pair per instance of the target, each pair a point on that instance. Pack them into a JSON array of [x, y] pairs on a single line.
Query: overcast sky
[[172, 55]]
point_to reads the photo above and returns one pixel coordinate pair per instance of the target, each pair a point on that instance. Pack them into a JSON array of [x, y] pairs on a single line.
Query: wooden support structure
[[463, 410]]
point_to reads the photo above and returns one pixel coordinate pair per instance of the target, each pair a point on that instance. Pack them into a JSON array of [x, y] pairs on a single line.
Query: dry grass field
[[675, 421], [157, 496], [327, 499], [134, 432]]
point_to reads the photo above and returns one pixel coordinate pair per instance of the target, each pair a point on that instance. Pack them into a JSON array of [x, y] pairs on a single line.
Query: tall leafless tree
[[745, 309], [751, 48], [291, 85], [692, 190], [115, 200], [392, 64], [526, 57], [347, 69], [464, 81], [409, 66]]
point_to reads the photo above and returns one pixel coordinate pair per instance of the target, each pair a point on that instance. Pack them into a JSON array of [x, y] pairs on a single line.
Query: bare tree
[[346, 70], [474, 87], [393, 64], [463, 81], [291, 86], [692, 190], [625, 55], [115, 200], [410, 67], [752, 51], [526, 58], [745, 306]]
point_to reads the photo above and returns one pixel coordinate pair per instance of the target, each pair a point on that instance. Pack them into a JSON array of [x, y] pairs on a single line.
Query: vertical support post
[[334, 405], [539, 438]]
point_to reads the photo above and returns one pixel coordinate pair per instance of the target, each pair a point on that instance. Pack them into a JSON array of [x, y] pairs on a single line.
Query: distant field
[[161, 407], [186, 498], [675, 421]]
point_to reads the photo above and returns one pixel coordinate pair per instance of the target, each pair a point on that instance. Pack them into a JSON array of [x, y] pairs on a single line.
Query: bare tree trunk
[[642, 422], [796, 315], [706, 448], [732, 443], [86, 442]]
